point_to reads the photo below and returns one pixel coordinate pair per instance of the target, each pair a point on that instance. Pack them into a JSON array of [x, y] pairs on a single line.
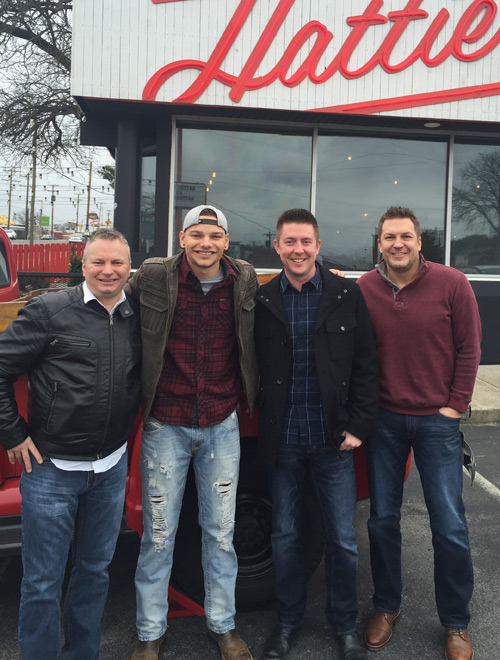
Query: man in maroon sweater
[[428, 334]]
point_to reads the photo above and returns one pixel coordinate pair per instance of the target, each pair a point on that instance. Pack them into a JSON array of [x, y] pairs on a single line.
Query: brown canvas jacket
[[154, 285]]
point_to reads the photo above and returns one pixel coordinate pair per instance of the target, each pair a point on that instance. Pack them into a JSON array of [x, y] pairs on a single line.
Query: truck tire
[[252, 537]]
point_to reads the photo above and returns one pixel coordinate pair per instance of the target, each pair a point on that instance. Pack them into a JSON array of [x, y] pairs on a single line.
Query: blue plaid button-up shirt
[[303, 418]]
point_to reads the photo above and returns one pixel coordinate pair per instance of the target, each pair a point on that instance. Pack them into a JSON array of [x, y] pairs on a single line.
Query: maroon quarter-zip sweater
[[428, 338]]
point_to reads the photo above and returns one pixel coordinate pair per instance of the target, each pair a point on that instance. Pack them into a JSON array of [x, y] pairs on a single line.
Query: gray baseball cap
[[193, 218]]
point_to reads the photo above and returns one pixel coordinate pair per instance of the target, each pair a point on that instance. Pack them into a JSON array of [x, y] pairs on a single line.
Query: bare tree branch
[[477, 200], [35, 42]]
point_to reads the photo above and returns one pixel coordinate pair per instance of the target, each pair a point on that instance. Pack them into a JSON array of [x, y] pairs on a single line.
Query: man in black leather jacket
[[81, 349]]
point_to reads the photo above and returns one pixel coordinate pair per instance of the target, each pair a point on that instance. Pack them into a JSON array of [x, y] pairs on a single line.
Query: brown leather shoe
[[148, 650], [379, 630], [231, 646], [458, 645]]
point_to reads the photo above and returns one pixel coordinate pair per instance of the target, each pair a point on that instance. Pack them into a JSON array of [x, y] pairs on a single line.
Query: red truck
[[253, 514]]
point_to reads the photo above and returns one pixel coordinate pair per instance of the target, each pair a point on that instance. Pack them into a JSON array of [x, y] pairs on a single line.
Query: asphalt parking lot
[[418, 635]]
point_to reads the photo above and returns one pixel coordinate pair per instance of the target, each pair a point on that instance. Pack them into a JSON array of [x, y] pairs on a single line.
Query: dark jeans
[[333, 480], [437, 449], [56, 505]]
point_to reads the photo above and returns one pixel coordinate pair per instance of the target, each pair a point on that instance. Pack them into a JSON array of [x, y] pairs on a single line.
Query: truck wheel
[[252, 537]]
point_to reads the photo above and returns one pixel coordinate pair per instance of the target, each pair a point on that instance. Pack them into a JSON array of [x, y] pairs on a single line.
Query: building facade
[[344, 108]]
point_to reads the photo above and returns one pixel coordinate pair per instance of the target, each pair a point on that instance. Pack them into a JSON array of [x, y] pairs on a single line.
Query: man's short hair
[[398, 212], [107, 235], [302, 216]]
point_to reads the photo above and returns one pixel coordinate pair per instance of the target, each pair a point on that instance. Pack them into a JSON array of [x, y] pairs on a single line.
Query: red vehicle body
[[9, 285], [253, 516]]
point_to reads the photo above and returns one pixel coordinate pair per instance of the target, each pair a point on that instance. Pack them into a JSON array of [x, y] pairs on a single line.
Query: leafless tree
[[477, 200], [477, 203], [35, 65]]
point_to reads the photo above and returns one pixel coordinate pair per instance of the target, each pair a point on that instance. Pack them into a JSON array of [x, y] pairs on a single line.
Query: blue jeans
[[437, 449], [334, 482], [166, 452], [59, 509]]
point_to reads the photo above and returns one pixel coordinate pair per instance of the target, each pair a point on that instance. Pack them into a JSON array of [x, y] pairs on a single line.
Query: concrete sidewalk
[[486, 398]]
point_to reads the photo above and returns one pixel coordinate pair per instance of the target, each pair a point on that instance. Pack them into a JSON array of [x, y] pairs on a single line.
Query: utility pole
[[33, 182], [26, 219], [88, 198], [52, 200], [10, 196], [77, 209]]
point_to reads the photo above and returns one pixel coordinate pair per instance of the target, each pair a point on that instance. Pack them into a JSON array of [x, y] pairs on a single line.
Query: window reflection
[[147, 222], [475, 240], [254, 176], [359, 178], [251, 177]]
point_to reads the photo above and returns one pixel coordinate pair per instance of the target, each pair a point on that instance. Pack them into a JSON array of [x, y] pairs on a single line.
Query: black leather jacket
[[84, 375]]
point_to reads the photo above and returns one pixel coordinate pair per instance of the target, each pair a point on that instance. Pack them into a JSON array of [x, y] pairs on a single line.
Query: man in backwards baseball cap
[[197, 354], [204, 215]]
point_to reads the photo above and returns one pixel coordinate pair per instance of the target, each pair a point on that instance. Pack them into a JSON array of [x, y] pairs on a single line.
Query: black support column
[[128, 184], [162, 193]]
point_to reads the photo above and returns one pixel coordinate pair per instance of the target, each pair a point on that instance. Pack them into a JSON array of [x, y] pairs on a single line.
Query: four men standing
[[318, 401], [428, 335]]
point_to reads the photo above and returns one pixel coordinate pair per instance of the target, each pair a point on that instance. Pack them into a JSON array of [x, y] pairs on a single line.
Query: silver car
[[77, 238]]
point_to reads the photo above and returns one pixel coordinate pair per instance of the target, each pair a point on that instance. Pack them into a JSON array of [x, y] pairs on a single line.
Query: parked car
[[77, 238], [487, 269], [11, 234]]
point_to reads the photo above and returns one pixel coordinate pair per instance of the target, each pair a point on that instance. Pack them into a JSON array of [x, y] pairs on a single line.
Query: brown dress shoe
[[458, 645], [148, 650], [231, 646], [379, 630]]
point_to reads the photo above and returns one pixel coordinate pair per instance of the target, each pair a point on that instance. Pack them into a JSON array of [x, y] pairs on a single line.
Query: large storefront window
[[251, 177], [475, 240], [359, 178], [254, 176]]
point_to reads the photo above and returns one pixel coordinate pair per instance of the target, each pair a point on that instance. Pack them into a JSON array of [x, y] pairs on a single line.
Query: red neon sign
[[472, 26]]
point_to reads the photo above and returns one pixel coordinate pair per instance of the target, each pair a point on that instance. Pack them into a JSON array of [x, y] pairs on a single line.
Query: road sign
[[188, 195]]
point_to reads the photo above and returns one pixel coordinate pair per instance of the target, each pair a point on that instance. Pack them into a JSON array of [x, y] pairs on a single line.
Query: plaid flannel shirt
[[303, 421], [200, 384]]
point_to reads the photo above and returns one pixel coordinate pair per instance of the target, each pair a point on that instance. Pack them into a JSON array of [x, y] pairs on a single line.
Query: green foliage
[[75, 262], [75, 266], [107, 172]]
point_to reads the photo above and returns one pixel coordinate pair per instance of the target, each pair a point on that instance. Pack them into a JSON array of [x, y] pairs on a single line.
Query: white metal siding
[[119, 44]]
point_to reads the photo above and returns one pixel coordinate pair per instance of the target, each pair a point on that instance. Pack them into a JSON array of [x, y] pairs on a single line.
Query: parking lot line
[[487, 486]]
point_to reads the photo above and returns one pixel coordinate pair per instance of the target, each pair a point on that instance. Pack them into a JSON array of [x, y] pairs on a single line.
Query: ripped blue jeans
[[166, 452]]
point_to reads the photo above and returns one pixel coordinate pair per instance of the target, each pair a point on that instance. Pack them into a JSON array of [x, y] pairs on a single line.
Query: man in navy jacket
[[318, 402]]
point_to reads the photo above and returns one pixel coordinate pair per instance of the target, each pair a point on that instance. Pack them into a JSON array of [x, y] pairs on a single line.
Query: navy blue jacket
[[346, 362]]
